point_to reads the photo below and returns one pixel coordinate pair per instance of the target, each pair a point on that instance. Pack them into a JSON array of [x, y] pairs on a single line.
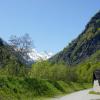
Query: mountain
[[6, 54], [85, 45], [35, 55]]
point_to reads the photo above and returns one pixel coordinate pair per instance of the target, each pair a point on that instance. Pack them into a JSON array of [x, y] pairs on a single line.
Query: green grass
[[93, 92], [24, 89], [13, 88]]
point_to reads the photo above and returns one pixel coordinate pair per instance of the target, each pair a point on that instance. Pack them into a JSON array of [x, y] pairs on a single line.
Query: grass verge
[[93, 92]]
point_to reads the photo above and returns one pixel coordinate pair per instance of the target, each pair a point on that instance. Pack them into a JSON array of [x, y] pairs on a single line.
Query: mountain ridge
[[87, 43]]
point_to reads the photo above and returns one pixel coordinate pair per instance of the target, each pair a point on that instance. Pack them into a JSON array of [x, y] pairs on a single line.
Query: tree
[[21, 44]]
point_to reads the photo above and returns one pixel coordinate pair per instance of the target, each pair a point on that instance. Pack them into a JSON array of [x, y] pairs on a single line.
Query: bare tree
[[21, 44]]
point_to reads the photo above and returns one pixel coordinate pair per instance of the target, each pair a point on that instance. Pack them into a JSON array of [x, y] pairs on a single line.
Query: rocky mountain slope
[[86, 44]]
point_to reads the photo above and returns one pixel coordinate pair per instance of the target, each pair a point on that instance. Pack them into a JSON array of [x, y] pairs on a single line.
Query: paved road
[[81, 95]]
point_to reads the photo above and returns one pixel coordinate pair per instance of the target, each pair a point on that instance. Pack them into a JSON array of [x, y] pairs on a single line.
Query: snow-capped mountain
[[35, 55]]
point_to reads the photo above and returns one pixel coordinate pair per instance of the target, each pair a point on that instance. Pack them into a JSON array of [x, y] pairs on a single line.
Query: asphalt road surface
[[81, 95]]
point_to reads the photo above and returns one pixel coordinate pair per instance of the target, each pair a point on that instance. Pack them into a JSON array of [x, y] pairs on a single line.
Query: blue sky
[[52, 24]]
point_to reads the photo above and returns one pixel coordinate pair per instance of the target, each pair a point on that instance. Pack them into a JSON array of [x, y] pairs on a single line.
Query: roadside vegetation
[[43, 79], [93, 92], [14, 88]]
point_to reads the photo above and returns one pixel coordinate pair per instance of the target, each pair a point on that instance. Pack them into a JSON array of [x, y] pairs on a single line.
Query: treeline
[[79, 73], [55, 72], [46, 70]]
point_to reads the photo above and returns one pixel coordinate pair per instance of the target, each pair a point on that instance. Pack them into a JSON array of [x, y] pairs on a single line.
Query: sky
[[51, 24]]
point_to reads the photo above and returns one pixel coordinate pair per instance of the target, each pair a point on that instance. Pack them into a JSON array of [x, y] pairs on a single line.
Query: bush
[[46, 70]]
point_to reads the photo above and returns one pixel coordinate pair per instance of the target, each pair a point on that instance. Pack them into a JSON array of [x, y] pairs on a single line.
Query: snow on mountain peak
[[35, 55]]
